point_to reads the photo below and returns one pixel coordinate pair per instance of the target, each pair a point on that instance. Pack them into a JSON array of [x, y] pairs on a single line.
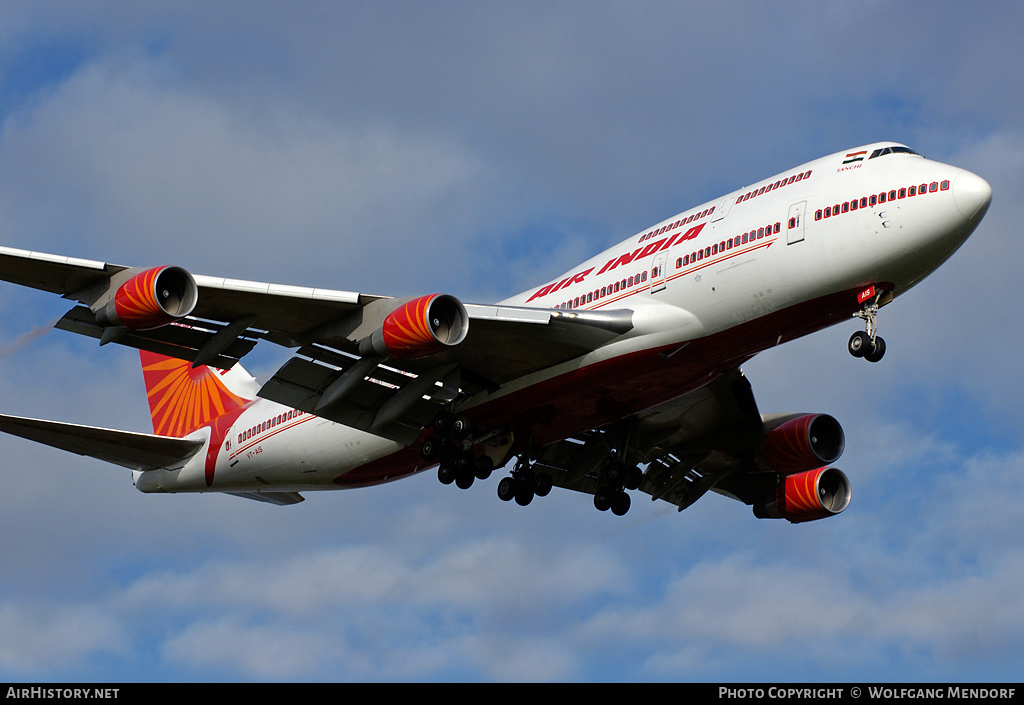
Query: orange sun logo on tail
[[182, 399]]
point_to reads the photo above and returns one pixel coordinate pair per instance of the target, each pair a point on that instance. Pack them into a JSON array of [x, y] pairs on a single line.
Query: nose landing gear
[[867, 343]]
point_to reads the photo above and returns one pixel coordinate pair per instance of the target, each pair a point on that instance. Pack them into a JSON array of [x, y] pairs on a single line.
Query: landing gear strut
[[867, 343]]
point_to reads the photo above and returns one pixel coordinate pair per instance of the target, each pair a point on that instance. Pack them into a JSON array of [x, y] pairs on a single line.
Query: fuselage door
[[723, 208], [795, 223], [658, 272]]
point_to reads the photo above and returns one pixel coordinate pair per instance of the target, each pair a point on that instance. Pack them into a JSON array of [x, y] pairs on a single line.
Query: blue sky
[[479, 149]]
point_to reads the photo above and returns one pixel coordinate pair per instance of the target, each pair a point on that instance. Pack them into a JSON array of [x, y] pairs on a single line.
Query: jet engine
[[420, 327], [150, 299], [807, 496], [803, 443]]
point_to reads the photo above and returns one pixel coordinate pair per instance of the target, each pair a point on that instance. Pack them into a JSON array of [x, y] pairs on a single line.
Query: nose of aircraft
[[972, 194]]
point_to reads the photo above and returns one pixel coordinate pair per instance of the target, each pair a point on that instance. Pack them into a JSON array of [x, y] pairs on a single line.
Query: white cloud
[[261, 652], [360, 612], [137, 168], [35, 637], [531, 608]]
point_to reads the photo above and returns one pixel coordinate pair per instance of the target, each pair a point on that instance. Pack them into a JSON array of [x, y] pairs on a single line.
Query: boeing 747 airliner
[[620, 376]]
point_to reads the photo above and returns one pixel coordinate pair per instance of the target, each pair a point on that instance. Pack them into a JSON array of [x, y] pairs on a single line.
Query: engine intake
[[804, 443], [421, 327], [807, 496], [151, 299]]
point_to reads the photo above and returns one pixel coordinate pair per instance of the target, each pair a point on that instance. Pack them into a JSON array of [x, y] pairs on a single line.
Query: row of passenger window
[[268, 424], [728, 244], [598, 294], [696, 256], [876, 198], [682, 221], [771, 187], [752, 235], [793, 178]]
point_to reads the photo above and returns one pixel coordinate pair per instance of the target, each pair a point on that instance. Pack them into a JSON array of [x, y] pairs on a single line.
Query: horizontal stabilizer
[[278, 498], [138, 451]]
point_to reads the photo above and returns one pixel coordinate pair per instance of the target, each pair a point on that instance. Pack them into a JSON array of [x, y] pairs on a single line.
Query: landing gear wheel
[[483, 467], [542, 484], [602, 499], [459, 428], [876, 351], [524, 494], [443, 424], [446, 474], [465, 462], [620, 503], [860, 344], [615, 472], [464, 479], [506, 489], [431, 449]]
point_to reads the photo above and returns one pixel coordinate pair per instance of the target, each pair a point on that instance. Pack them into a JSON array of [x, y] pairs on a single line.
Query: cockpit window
[[891, 150]]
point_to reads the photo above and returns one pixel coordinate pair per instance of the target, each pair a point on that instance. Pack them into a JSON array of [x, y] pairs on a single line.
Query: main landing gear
[[867, 343], [451, 447], [615, 480], [524, 484], [456, 463]]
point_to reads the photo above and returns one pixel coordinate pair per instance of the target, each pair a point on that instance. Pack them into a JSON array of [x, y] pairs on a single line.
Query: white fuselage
[[756, 267]]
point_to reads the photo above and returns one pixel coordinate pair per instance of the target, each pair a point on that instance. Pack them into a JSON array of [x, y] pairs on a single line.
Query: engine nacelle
[[804, 443], [421, 327], [807, 496], [150, 299]]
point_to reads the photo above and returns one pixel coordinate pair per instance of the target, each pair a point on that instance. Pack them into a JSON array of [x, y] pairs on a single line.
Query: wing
[[376, 363], [138, 451], [687, 445], [398, 398], [713, 439]]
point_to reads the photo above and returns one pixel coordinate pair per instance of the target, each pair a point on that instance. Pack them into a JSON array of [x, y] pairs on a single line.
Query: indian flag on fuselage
[[854, 157]]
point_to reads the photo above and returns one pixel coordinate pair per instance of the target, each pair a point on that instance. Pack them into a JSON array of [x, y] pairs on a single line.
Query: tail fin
[[182, 399]]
